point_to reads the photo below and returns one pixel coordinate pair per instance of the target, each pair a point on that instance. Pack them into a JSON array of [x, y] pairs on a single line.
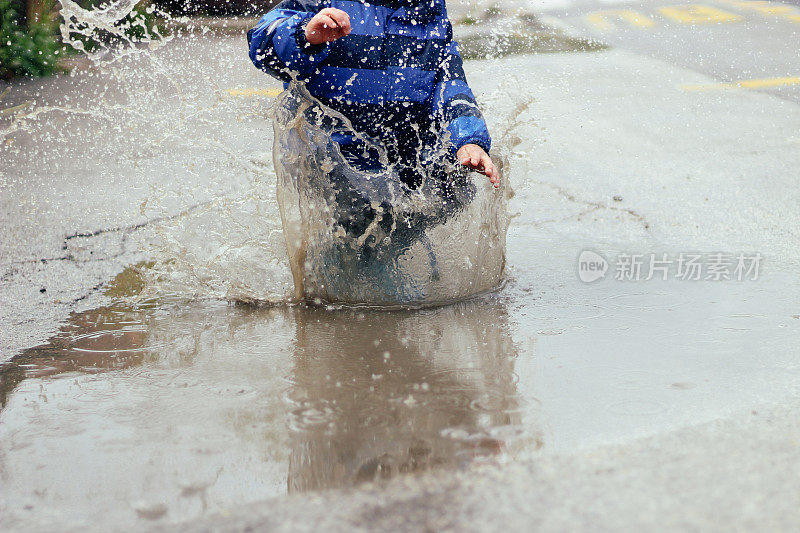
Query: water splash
[[194, 162], [108, 27], [365, 237]]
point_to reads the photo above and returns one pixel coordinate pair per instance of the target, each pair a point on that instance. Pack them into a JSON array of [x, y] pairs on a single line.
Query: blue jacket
[[399, 65]]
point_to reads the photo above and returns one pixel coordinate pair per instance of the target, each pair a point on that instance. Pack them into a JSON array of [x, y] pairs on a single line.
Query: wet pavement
[[168, 411], [550, 403], [733, 41]]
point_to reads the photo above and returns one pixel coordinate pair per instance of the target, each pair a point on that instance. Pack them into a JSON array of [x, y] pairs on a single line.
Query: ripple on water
[[333, 403], [123, 340], [312, 418], [489, 401]]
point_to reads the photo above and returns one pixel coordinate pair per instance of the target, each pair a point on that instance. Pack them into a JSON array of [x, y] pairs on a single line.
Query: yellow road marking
[[599, 19], [745, 84], [698, 14], [768, 9], [762, 6], [252, 91]]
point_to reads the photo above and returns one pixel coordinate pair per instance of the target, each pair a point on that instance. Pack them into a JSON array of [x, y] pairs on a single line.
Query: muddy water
[[440, 242], [163, 411], [183, 409]]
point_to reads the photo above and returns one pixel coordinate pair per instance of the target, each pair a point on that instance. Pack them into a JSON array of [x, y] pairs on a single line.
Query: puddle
[[201, 406], [167, 410], [494, 35]]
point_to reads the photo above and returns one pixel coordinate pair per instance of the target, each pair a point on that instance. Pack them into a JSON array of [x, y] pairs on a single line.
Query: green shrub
[[26, 51]]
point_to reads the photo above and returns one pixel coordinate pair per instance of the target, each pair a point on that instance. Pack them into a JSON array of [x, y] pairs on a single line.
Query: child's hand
[[473, 156], [327, 25]]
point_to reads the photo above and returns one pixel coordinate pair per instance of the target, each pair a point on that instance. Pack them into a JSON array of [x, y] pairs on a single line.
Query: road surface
[[554, 404], [750, 43]]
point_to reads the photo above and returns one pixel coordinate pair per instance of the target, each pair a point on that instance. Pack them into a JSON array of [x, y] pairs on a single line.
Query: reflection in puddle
[[166, 413], [108, 338], [375, 394], [174, 411]]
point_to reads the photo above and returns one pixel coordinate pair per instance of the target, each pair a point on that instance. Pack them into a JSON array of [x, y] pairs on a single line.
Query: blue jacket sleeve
[[278, 44], [453, 103]]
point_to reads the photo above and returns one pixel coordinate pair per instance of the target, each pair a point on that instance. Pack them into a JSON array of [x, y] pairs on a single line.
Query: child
[[391, 67]]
